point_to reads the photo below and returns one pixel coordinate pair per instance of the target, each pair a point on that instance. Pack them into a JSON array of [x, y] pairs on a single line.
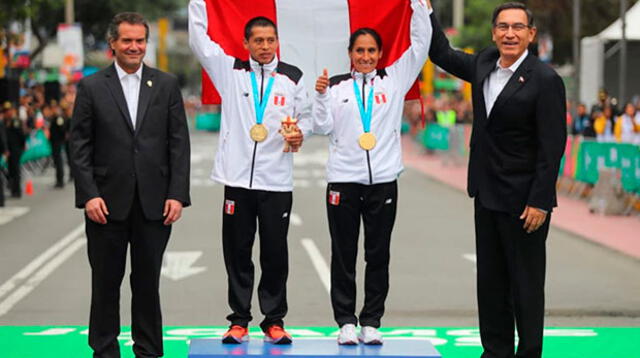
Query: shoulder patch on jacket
[[293, 72], [339, 78], [241, 65]]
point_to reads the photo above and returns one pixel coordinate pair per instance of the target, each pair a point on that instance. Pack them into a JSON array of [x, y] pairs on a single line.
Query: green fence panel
[[436, 137], [37, 147], [208, 121]]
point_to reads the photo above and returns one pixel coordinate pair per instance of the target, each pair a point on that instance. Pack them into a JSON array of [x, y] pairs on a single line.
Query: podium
[[302, 347]]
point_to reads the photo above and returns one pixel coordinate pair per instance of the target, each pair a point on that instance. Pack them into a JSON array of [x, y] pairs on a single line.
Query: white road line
[[8, 214], [39, 261], [470, 257], [40, 276], [318, 262], [295, 219]]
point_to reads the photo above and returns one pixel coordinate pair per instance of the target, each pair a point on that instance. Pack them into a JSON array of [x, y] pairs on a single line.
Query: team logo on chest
[[381, 98], [279, 99]]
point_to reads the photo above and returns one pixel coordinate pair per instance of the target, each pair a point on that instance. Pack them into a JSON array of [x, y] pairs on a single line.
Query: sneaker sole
[[234, 340], [348, 343], [282, 341], [371, 343]]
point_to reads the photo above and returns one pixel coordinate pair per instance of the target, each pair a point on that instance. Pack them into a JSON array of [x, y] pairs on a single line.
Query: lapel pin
[[150, 84], [521, 79]]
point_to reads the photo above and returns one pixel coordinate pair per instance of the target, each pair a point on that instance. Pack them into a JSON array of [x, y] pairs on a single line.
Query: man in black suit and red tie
[[518, 139], [130, 156]]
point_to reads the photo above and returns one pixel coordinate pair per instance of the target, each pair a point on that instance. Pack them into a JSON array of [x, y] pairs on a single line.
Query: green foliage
[[476, 32], [553, 17], [96, 15]]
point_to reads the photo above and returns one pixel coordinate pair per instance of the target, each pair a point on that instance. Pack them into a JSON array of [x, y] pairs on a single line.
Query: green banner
[[37, 147], [208, 121], [436, 137], [451, 342], [594, 156]]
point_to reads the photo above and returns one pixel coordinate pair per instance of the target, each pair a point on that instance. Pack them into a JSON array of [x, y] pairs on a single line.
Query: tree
[[553, 17]]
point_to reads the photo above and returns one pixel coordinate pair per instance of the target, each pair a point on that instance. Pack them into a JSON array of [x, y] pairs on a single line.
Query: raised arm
[[211, 56], [458, 63], [408, 66]]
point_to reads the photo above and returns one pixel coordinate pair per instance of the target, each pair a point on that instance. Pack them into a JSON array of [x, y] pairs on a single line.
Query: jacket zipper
[[255, 145], [364, 81]]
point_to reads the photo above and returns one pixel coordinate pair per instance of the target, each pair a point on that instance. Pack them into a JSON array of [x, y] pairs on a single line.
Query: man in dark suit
[[130, 155], [518, 138]]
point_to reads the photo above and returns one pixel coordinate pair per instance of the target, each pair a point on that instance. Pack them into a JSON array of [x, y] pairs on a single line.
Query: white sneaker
[[347, 335], [370, 336]]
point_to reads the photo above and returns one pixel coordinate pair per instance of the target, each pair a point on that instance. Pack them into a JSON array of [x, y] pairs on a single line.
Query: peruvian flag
[[279, 100], [381, 98], [313, 34], [229, 207], [334, 198]]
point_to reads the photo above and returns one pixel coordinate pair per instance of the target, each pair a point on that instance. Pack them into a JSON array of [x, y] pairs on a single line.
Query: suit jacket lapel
[[115, 88], [517, 81], [146, 89], [485, 68]]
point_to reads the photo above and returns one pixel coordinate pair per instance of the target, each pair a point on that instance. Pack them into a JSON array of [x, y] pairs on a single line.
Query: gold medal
[[367, 141], [60, 121], [259, 132]]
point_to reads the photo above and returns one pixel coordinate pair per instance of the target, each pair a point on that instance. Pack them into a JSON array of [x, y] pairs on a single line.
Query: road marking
[[318, 262], [40, 260], [470, 257], [295, 219], [179, 265], [8, 214], [40, 276]]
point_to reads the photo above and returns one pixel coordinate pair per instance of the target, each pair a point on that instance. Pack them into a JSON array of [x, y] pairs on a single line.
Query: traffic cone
[[29, 187]]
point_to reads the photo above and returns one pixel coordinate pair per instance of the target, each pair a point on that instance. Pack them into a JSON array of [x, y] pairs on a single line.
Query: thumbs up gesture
[[323, 82]]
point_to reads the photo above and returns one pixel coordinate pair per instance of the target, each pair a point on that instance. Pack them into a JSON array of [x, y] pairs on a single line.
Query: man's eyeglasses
[[517, 27]]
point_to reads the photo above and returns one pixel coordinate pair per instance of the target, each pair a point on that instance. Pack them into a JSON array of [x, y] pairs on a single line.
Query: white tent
[[595, 63]]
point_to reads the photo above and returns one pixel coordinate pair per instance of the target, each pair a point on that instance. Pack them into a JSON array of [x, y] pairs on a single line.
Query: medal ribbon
[[260, 106], [365, 115]]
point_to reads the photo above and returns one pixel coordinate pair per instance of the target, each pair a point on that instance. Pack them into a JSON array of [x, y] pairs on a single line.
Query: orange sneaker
[[277, 335], [236, 335]]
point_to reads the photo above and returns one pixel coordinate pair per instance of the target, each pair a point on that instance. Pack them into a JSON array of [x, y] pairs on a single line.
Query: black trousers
[[13, 163], [241, 209], [107, 248], [56, 154], [511, 275], [376, 204]]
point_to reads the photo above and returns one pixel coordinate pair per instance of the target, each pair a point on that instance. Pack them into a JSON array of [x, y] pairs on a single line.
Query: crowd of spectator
[[606, 121], [40, 109]]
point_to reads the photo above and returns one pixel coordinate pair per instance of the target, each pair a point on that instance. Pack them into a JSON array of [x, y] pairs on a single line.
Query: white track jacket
[[240, 161], [336, 113]]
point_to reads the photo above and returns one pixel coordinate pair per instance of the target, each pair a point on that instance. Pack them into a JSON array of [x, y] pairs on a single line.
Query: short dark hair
[[365, 31], [259, 21], [513, 5], [132, 18]]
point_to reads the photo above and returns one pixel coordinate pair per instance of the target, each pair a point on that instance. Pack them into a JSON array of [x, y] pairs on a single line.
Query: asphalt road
[[45, 280]]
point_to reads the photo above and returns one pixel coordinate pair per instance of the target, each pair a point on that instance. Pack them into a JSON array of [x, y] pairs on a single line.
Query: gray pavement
[[45, 279]]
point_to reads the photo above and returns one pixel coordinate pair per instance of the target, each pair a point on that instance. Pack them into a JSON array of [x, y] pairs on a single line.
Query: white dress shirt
[[131, 89], [497, 80]]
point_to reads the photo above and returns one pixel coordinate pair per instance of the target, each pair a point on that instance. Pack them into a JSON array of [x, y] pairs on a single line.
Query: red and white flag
[[313, 34], [229, 207], [334, 198]]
